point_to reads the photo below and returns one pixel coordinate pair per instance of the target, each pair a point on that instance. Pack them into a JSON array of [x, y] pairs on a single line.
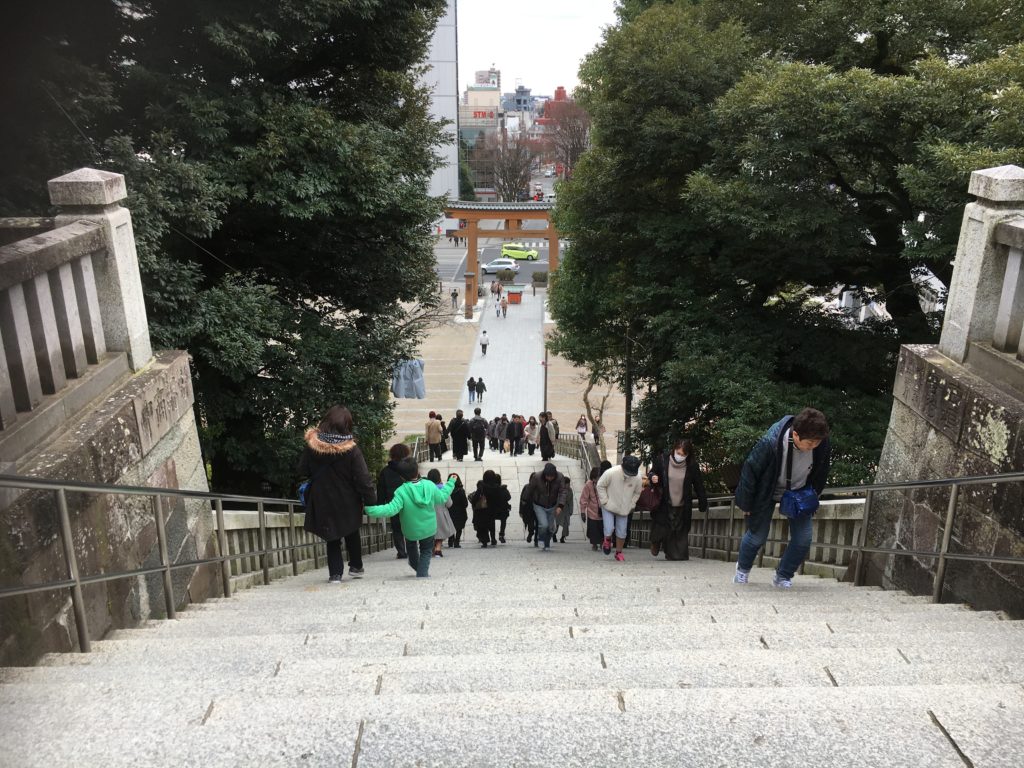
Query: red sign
[[483, 115]]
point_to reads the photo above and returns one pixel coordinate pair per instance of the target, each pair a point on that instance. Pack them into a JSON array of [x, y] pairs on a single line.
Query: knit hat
[[631, 465]]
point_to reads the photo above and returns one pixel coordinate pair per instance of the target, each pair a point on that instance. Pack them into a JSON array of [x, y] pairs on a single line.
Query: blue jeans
[[545, 520], [800, 530], [420, 553], [614, 524]]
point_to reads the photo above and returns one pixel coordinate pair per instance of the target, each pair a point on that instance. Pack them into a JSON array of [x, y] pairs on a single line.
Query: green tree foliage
[[278, 156], [747, 158]]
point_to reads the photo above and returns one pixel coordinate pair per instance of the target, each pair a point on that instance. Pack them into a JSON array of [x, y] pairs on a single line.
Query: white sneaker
[[781, 583], [740, 577]]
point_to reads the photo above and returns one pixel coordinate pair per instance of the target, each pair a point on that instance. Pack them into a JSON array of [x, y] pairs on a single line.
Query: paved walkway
[[512, 368]]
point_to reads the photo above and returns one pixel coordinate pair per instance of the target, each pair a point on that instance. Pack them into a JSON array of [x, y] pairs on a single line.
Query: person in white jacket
[[617, 491]]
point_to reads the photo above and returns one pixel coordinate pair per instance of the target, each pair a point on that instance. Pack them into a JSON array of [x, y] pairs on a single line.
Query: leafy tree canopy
[[278, 156], [747, 158]]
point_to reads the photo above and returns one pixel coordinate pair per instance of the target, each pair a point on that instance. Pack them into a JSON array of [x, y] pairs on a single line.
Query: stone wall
[[958, 411], [144, 434]]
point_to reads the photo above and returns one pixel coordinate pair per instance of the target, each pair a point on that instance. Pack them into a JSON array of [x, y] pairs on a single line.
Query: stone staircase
[[511, 657]]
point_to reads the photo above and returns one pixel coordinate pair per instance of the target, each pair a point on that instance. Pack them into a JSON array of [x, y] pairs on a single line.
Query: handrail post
[[732, 529], [291, 539], [858, 570], [704, 534], [947, 534], [77, 602], [264, 560], [165, 560], [222, 545]]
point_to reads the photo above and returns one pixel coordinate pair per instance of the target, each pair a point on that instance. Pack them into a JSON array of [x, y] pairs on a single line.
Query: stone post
[[470, 295], [91, 195], [980, 266]]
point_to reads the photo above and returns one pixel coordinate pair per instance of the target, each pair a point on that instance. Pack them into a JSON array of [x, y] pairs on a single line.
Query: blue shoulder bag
[[804, 501], [304, 487]]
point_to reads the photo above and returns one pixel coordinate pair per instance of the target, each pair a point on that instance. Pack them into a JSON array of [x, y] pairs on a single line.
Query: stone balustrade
[[68, 295], [1008, 335]]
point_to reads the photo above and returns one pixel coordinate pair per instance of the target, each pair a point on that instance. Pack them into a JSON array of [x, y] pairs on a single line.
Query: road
[[451, 262]]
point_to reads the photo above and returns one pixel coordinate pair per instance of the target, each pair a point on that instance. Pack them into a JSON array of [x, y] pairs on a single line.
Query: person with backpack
[[483, 518], [788, 465], [389, 481], [340, 486], [414, 501], [478, 434]]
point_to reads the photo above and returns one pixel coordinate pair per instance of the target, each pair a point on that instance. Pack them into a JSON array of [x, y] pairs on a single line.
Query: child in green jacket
[[414, 504]]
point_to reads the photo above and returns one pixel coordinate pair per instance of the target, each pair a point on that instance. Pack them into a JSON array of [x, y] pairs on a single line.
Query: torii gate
[[510, 213]]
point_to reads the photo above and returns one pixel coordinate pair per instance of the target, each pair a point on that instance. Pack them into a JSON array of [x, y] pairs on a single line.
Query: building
[[442, 77], [481, 125]]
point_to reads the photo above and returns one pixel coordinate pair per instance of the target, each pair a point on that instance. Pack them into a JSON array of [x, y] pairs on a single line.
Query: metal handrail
[[75, 579]]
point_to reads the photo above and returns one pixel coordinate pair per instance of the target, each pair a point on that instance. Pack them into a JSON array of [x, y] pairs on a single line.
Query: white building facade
[[442, 77]]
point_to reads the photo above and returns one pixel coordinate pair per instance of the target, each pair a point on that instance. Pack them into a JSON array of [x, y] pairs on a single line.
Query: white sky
[[540, 42]]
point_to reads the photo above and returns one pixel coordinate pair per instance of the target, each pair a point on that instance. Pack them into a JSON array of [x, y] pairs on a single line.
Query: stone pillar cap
[[87, 186], [1004, 184]]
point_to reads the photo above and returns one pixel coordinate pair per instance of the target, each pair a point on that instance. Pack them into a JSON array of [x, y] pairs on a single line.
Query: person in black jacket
[[678, 475], [388, 482], [459, 511], [458, 430], [497, 498], [340, 486], [548, 495], [478, 434], [763, 480]]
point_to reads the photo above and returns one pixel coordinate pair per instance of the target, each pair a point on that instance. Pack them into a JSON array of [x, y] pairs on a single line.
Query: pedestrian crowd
[[788, 466]]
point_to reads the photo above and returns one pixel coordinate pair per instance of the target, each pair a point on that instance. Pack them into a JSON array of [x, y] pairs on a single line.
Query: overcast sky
[[539, 42]]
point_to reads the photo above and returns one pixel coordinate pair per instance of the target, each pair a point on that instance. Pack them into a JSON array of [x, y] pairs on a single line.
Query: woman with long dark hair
[[677, 472], [340, 486]]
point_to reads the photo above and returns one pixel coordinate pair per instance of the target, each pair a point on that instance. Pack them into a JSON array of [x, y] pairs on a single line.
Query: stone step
[[706, 727], [729, 667], [921, 648]]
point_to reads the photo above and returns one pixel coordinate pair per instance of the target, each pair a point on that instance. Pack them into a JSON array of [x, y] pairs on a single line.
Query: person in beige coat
[[617, 491], [434, 432]]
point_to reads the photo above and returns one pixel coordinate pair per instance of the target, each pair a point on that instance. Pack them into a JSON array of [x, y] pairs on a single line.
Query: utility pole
[[628, 385]]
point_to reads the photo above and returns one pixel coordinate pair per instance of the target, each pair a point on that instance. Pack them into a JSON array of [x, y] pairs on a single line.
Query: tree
[[570, 132], [747, 158], [513, 164], [278, 174]]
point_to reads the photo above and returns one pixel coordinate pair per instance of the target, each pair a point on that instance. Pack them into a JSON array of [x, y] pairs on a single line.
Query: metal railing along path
[[76, 580], [856, 494]]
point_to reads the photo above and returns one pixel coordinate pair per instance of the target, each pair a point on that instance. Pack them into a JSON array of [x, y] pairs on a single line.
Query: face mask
[[680, 456]]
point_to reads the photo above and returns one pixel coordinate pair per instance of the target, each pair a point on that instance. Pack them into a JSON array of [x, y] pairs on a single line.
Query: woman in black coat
[[459, 511], [498, 498], [388, 481], [670, 524], [458, 430], [340, 486]]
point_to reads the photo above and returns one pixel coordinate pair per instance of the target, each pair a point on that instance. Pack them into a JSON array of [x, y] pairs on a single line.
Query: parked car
[[548, 173], [499, 264], [518, 251]]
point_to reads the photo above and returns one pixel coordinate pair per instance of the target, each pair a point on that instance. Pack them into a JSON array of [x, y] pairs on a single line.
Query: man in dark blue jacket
[[763, 480]]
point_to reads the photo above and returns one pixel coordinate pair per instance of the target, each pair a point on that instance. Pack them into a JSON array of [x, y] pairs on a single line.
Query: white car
[[548, 173], [499, 264]]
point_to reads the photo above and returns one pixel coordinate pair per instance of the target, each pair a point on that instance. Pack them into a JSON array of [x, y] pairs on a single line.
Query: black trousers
[[354, 547], [478, 447], [397, 535], [435, 451]]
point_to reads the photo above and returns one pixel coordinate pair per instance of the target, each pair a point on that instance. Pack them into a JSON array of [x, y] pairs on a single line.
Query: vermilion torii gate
[[513, 214]]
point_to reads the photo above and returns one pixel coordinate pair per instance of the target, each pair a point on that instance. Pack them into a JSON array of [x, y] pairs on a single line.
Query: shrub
[[540, 277]]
